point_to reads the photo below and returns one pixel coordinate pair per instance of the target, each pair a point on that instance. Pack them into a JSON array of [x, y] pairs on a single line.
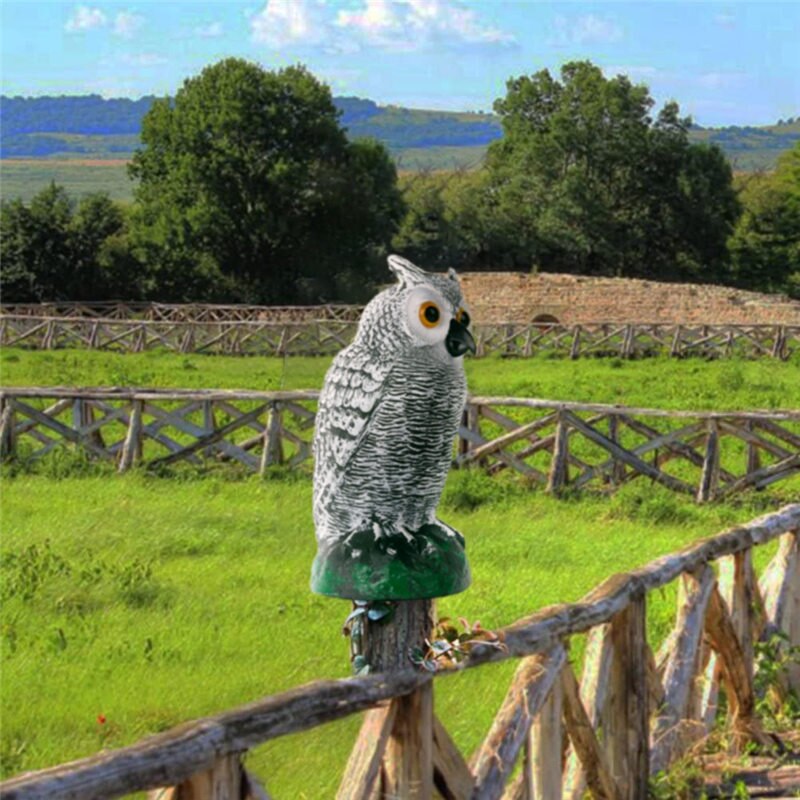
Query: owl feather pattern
[[389, 411]]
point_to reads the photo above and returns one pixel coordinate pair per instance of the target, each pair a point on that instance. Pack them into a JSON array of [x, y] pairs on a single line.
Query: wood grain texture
[[530, 687], [581, 730], [625, 725], [363, 767], [672, 728], [452, 776]]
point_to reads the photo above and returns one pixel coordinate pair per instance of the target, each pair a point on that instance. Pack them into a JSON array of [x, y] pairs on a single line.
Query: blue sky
[[725, 63]]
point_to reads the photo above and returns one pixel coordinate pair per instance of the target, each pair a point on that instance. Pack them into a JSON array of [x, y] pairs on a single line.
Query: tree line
[[249, 191]]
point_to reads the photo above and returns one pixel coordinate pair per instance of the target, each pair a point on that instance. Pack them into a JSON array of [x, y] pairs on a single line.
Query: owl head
[[426, 310]]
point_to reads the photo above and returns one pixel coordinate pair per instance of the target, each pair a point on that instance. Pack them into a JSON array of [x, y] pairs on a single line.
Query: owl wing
[[350, 396]]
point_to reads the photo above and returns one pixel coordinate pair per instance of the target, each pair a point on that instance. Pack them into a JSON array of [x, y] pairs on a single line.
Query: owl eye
[[429, 314], [463, 317]]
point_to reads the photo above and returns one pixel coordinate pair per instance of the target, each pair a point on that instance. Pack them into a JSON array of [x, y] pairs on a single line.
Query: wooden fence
[[181, 312], [286, 332], [557, 445], [632, 713]]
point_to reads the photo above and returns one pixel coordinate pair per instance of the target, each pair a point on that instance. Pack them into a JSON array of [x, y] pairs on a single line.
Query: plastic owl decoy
[[388, 413]]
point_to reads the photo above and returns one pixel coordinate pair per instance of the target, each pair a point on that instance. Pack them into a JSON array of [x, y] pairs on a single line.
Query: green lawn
[[658, 383], [153, 600]]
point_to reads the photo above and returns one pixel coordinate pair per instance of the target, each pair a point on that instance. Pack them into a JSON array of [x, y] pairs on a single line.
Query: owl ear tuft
[[452, 274], [408, 274]]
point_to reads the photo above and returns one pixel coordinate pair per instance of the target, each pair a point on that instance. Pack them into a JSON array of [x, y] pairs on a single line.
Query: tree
[[451, 221], [249, 187], [765, 247], [595, 186], [51, 251], [36, 250]]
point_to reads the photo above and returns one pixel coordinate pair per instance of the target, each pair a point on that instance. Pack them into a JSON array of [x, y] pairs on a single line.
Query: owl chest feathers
[[384, 443]]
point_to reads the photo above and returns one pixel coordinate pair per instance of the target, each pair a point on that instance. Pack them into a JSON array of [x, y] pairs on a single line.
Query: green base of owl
[[431, 563]]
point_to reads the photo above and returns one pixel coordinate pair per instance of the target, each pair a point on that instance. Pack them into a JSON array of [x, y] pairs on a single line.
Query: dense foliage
[[249, 188], [52, 250], [765, 247], [583, 181]]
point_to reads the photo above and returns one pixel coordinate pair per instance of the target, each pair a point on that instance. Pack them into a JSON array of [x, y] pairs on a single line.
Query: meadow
[[24, 178], [132, 603]]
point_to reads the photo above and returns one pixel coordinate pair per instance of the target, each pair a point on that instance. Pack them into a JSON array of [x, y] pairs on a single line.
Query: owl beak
[[459, 339]]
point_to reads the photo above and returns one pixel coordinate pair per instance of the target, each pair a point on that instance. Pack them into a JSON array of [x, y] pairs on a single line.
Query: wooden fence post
[[753, 455], [625, 723], [402, 737], [674, 728], [593, 695], [209, 424], [469, 420], [559, 466], [780, 589], [545, 746], [7, 423], [709, 478], [82, 418], [272, 454], [618, 467], [534, 680], [132, 448], [575, 349]]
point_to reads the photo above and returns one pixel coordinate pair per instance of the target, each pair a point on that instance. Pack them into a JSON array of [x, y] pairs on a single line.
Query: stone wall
[[518, 297]]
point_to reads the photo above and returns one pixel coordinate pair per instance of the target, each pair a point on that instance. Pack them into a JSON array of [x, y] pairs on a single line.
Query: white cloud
[[84, 18], [587, 29], [126, 24], [417, 24], [210, 31], [283, 22], [399, 25]]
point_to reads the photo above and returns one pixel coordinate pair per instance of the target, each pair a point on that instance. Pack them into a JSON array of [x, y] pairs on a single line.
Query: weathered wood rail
[[556, 445], [632, 713], [288, 331], [181, 312]]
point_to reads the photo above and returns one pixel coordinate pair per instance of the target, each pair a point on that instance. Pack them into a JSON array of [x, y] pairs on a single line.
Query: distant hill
[[87, 126]]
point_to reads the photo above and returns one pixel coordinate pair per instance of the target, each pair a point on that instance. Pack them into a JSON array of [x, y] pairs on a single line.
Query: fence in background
[[288, 335], [557, 445], [631, 715], [180, 312]]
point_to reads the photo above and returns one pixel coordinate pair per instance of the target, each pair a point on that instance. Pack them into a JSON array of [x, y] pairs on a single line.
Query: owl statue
[[388, 413]]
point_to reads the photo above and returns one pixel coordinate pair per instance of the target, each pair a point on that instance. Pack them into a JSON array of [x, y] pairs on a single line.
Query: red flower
[[101, 719]]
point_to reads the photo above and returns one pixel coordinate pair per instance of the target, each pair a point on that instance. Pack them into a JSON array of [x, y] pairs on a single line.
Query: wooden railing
[[631, 715], [181, 312], [557, 445], [280, 332]]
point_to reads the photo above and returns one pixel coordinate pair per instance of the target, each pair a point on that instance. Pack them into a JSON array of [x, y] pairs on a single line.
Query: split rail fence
[[632, 713], [180, 312], [287, 331], [556, 445]]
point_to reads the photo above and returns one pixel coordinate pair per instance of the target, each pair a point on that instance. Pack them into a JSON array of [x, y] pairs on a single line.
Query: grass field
[[26, 177], [659, 383], [152, 600]]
